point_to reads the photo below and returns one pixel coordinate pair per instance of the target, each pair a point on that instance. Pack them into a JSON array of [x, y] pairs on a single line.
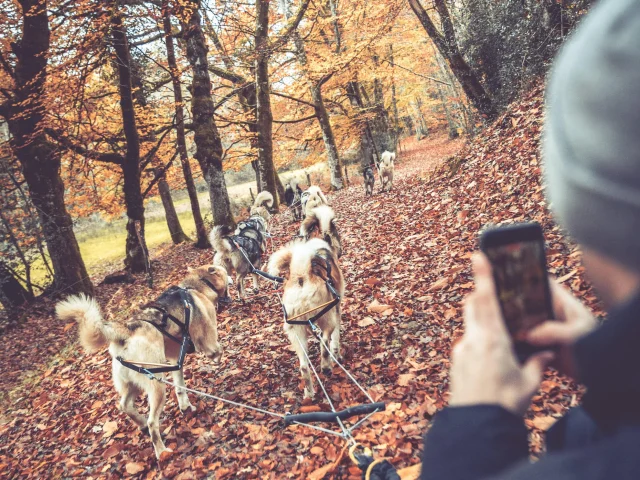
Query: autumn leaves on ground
[[407, 269]]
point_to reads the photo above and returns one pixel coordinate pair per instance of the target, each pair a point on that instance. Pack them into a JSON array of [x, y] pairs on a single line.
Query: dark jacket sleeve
[[473, 442]]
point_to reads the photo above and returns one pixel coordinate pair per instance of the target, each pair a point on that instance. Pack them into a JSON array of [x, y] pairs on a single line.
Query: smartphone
[[517, 256]]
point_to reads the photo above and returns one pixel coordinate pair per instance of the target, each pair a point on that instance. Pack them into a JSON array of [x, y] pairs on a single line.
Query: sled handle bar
[[334, 416]]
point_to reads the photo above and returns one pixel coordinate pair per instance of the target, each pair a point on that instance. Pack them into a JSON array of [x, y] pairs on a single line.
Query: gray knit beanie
[[591, 145]]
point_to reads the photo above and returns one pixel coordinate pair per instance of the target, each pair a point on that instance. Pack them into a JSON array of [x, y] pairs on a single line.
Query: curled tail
[[94, 333], [219, 240], [264, 199]]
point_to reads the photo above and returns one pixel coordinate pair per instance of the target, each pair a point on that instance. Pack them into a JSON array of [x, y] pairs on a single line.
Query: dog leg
[[240, 286], [127, 406], [325, 362], [183, 398], [335, 343], [156, 397], [256, 288], [300, 344]]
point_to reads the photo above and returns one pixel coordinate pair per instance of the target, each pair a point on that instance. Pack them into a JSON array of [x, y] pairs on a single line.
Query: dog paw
[[326, 370], [187, 409], [164, 454]]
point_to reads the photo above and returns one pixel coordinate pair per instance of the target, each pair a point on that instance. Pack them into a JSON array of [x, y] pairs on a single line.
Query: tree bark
[[448, 47], [136, 253], [264, 117], [206, 136], [38, 157], [202, 240], [173, 222], [12, 293], [333, 158]]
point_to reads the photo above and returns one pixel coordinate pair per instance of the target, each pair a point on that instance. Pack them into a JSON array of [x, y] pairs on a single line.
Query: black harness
[[330, 287], [186, 344]]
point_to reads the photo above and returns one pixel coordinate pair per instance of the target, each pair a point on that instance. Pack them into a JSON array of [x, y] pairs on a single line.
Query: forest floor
[[406, 262]]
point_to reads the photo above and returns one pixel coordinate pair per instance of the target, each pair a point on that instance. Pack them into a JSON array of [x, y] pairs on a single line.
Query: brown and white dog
[[303, 265], [138, 340], [386, 170], [262, 204], [321, 223], [312, 197]]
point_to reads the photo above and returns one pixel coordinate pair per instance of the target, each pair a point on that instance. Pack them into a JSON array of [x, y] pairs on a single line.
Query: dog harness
[[186, 344], [325, 308]]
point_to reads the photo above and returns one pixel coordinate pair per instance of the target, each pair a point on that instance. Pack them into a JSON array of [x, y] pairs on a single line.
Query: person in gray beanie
[[591, 152]]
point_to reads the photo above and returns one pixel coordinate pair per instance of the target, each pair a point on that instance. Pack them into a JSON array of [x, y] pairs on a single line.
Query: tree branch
[[292, 24], [415, 73], [227, 75], [304, 119], [299, 100], [92, 154], [158, 174]]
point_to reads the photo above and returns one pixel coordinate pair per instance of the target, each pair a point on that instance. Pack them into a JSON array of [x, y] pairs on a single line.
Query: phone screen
[[522, 286]]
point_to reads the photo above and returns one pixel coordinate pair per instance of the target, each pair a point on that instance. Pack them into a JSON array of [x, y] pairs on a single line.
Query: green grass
[[104, 248]]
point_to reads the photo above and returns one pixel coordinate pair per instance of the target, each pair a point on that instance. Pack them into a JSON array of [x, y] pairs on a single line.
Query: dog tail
[[219, 240], [320, 217], [93, 331], [264, 199]]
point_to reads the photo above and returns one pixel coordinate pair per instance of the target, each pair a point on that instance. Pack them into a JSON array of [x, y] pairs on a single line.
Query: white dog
[[305, 267], [386, 170], [139, 340]]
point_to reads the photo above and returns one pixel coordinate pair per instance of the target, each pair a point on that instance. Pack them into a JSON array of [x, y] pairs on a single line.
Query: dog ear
[[213, 270], [280, 263]]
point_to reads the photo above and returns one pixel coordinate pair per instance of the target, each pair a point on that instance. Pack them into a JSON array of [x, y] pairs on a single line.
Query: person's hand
[[484, 368], [573, 321]]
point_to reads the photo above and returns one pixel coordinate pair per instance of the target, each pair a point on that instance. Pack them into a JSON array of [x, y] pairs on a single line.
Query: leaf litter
[[407, 268]]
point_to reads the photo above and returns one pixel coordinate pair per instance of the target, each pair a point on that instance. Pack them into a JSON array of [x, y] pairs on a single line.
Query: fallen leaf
[[543, 423], [366, 321], [405, 379], [109, 428], [134, 467]]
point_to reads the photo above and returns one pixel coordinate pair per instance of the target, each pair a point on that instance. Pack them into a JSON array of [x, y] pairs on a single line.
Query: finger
[[535, 367], [551, 333], [482, 274]]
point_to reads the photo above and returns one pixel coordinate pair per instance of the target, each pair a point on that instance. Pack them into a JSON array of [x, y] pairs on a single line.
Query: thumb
[[551, 333], [535, 367]]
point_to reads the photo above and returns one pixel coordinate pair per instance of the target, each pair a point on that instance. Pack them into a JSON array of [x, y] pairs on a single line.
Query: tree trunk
[[136, 254], [394, 101], [448, 47], [264, 117], [173, 222], [12, 293], [202, 240], [206, 136], [39, 159], [333, 159]]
